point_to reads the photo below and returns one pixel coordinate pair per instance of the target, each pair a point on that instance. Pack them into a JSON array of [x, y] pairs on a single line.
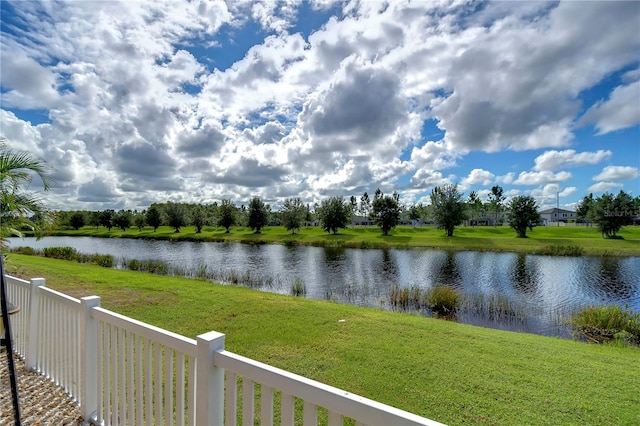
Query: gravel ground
[[41, 401]]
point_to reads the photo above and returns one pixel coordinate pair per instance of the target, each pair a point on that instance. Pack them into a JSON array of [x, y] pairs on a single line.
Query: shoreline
[[561, 241]]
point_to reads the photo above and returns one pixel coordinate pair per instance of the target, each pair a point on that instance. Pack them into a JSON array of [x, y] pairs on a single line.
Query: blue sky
[[141, 102]]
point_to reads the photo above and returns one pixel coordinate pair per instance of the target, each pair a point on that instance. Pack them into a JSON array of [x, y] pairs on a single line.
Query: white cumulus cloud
[[553, 160], [541, 178], [620, 111], [478, 176], [611, 173], [604, 186]]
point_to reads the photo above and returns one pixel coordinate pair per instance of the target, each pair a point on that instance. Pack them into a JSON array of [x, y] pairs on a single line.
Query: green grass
[[449, 372], [570, 240]]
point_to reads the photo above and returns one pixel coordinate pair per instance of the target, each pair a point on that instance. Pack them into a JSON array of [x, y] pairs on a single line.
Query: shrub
[[561, 250], [298, 288], [104, 260], [604, 323], [152, 266], [398, 298], [405, 298], [65, 253], [24, 250], [442, 300], [133, 264], [156, 267]]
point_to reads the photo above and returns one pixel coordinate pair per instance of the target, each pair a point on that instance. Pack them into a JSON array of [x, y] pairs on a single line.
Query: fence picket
[[100, 370], [148, 382], [180, 385], [130, 376], [231, 399], [122, 369], [287, 409], [310, 414], [168, 387], [266, 405], [191, 384], [157, 378], [334, 419], [248, 396], [139, 384]]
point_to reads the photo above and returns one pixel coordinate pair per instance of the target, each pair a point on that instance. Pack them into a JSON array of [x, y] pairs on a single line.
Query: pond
[[508, 291]]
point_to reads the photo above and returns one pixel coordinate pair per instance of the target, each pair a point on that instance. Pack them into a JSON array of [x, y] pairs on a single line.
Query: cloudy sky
[[135, 102]]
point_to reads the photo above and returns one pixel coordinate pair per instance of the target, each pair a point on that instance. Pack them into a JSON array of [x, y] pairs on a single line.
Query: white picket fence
[[125, 372]]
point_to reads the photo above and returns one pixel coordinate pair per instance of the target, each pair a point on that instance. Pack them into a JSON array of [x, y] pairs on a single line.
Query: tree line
[[447, 209]]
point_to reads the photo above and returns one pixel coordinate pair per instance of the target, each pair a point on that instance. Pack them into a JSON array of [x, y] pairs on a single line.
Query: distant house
[[481, 221], [557, 215], [361, 221]]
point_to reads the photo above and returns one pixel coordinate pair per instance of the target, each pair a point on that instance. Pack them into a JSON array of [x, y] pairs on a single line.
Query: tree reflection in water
[[612, 280], [448, 273], [524, 275]]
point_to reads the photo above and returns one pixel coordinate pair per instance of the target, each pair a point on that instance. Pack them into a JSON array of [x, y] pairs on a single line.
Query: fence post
[[89, 360], [209, 381], [34, 323]]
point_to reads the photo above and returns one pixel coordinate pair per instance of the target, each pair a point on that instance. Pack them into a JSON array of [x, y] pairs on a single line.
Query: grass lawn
[[542, 240], [453, 373]]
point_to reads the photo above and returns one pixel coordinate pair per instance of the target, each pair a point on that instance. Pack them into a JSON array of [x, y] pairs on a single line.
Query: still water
[[536, 292]]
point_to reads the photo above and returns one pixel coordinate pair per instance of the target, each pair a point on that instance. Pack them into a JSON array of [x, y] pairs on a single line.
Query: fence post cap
[[210, 336]]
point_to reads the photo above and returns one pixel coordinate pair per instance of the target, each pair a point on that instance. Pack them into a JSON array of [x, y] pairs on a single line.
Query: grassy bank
[[450, 372], [570, 240]]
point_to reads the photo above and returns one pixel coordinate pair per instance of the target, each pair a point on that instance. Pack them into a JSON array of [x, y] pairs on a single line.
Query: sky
[[136, 102]]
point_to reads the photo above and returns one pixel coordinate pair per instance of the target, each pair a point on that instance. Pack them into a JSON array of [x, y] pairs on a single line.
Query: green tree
[[153, 217], [365, 205], [198, 218], [176, 215], [76, 220], [415, 214], [584, 207], [18, 207], [94, 219], [212, 212], [242, 216], [334, 214], [522, 213], [106, 218], [258, 215], [122, 219], [292, 214], [610, 213], [227, 212], [496, 198], [353, 203], [447, 207], [385, 213], [308, 215], [475, 204], [139, 221]]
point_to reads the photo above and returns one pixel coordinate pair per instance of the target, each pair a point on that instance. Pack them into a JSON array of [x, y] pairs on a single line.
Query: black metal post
[[8, 342]]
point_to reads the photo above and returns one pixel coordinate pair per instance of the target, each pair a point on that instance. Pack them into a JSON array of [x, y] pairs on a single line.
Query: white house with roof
[[557, 215]]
